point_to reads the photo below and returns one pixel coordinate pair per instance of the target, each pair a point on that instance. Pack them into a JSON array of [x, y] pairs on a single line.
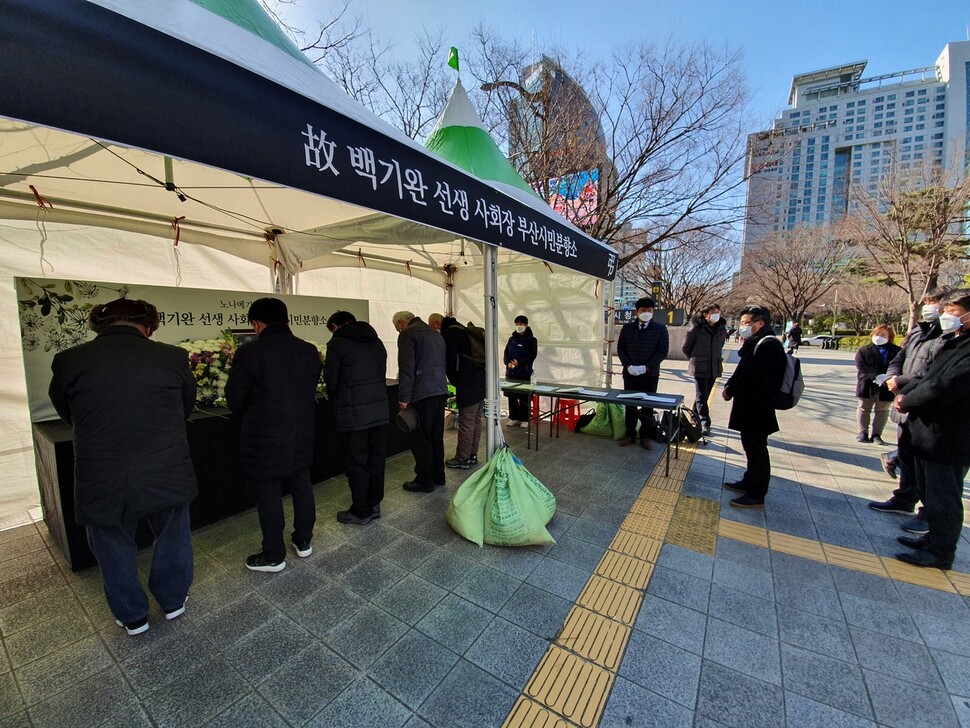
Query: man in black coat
[[272, 386], [355, 373], [756, 380], [938, 405], [422, 383], [703, 347], [468, 378], [127, 399], [643, 345]]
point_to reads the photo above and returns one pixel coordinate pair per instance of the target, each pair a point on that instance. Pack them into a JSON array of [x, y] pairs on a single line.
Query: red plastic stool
[[568, 412]]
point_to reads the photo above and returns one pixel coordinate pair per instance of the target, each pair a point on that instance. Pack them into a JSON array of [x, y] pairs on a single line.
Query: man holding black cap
[[272, 385], [126, 399], [642, 347]]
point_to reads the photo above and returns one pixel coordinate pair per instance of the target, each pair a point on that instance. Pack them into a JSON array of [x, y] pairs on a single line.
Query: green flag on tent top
[[453, 58]]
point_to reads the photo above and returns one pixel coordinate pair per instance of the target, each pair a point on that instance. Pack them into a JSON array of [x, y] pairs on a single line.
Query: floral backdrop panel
[[54, 315]]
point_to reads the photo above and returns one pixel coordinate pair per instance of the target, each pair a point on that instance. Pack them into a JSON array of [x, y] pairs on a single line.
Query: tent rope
[[360, 257], [177, 228], [43, 205]]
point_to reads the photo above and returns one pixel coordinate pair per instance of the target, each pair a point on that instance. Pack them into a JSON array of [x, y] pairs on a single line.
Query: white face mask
[[745, 331], [520, 329], [931, 312], [645, 316], [949, 322], [880, 340], [714, 318]]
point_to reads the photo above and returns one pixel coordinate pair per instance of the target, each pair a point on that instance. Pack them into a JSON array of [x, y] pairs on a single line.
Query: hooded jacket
[[355, 374], [703, 346], [420, 363], [524, 348]]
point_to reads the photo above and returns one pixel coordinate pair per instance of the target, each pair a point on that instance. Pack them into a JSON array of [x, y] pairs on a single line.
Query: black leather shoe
[[375, 512], [925, 559], [746, 501], [737, 486], [415, 487], [913, 543]]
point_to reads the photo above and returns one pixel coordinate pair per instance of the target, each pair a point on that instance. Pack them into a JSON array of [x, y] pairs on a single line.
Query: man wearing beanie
[[126, 399], [272, 386], [642, 347]]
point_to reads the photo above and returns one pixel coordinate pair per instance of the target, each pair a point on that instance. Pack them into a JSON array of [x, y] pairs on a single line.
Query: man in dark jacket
[[468, 378], [794, 338], [907, 366], [703, 347], [756, 380], [938, 405], [355, 373], [643, 345], [127, 399], [272, 385], [423, 385], [519, 357]]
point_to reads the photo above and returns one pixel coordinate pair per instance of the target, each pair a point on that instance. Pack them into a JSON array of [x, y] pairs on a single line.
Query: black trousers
[[269, 505], [428, 441], [643, 415], [908, 494], [942, 485], [758, 472], [366, 451], [702, 393]]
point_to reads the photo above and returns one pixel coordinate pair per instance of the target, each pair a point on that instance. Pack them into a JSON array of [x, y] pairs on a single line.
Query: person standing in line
[[468, 378], [919, 350], [794, 338], [938, 405], [872, 361], [756, 380], [355, 374], [435, 320], [642, 346], [126, 399], [422, 384], [703, 346], [272, 386], [519, 357]]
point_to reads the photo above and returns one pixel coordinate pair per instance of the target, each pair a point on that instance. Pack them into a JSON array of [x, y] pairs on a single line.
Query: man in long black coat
[[272, 386], [127, 399], [468, 378], [355, 373], [703, 346], [938, 405], [756, 380], [642, 346]]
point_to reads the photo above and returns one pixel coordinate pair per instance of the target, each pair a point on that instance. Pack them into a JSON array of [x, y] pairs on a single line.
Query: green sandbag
[[602, 422], [503, 504], [618, 420]]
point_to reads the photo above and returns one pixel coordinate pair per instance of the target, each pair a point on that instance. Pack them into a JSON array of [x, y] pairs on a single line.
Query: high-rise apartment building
[[840, 131]]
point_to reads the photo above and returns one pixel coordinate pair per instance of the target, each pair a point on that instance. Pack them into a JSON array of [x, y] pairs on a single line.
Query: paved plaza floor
[[659, 605]]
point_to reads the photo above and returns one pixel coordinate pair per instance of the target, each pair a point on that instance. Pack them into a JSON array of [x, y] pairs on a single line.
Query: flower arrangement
[[211, 361]]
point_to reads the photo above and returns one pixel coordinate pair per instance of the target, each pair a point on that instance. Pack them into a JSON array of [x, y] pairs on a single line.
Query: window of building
[[879, 99], [849, 104], [922, 92]]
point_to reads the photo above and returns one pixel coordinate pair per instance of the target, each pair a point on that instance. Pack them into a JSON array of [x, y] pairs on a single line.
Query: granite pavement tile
[[576, 552], [59, 670], [326, 608], [815, 599], [258, 654], [922, 600], [37, 609], [536, 610], [672, 623], [802, 711], [592, 532], [42, 639], [237, 620], [131, 717], [860, 584], [633, 705], [743, 578], [445, 569], [291, 586], [955, 670], [87, 703], [408, 552], [662, 668], [742, 650], [559, 578], [411, 598], [412, 668], [901, 704], [829, 681], [362, 705], [488, 588], [738, 700], [892, 656], [252, 710], [742, 553], [812, 632], [307, 682], [508, 652], [469, 698], [680, 588], [942, 633], [11, 701], [517, 563], [373, 577], [197, 695], [455, 623], [758, 615], [803, 570], [686, 561], [366, 636]]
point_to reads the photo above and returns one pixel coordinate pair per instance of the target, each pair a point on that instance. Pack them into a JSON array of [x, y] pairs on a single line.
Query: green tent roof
[[460, 137], [249, 15]]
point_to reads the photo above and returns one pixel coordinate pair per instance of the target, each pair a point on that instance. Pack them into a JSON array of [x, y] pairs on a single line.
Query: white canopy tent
[[206, 96]]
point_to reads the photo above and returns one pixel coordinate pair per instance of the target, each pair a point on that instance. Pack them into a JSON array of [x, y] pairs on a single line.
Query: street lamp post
[[835, 314]]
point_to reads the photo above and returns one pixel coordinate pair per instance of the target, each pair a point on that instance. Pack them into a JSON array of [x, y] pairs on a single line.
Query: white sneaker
[[514, 423], [175, 614], [524, 425], [133, 628]]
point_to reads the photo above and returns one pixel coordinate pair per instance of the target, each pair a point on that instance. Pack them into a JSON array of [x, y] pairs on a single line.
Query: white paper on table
[[545, 388]]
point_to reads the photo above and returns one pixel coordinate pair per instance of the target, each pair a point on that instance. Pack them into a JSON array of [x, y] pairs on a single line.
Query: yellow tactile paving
[[796, 546], [932, 578], [694, 524], [743, 532], [611, 599], [854, 559], [570, 686], [960, 581], [529, 714], [654, 526], [656, 495], [637, 546], [595, 637], [625, 569]]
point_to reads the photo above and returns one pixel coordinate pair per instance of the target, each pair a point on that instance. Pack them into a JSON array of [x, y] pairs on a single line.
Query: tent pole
[[493, 423], [610, 331]]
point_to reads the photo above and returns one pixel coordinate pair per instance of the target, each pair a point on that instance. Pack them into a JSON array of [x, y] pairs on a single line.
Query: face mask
[[931, 312], [645, 316], [949, 322], [880, 340], [745, 331], [520, 329], [714, 318]]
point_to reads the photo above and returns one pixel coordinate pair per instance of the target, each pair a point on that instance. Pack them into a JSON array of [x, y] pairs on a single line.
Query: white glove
[[637, 370]]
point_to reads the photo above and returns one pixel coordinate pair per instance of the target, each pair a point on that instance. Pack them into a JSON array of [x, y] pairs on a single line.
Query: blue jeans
[[172, 564]]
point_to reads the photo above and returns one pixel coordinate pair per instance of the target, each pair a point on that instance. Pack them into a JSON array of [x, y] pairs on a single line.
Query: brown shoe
[[646, 444], [627, 441]]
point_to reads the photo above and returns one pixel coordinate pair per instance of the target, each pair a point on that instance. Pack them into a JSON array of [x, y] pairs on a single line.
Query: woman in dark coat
[[519, 357], [871, 361]]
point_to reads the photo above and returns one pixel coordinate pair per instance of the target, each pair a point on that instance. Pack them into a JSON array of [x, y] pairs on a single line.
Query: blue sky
[[778, 39]]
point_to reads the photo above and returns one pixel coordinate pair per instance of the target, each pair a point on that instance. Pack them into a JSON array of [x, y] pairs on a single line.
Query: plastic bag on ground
[[503, 504], [618, 420], [602, 424]]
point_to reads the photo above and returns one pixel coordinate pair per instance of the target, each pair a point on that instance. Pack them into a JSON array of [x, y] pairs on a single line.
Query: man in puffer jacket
[[703, 346], [355, 373]]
